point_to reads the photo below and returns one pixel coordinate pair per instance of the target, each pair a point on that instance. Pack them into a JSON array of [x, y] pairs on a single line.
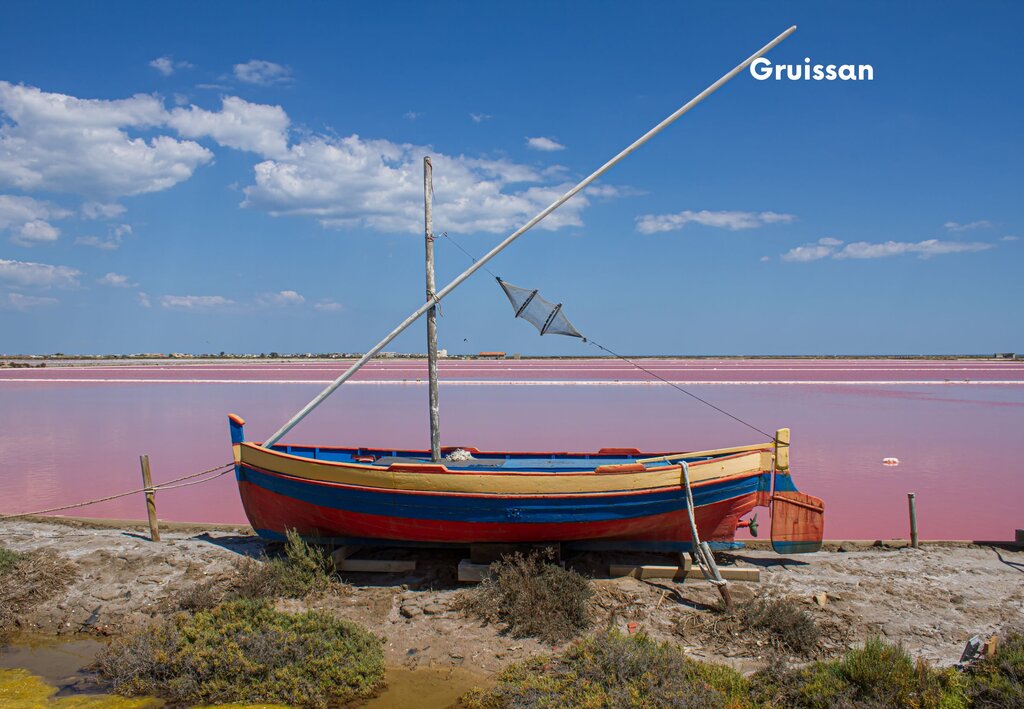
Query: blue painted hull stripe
[[499, 509]]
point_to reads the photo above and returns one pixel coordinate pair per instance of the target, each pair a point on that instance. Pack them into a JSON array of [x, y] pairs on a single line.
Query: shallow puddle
[[426, 687], [45, 672]]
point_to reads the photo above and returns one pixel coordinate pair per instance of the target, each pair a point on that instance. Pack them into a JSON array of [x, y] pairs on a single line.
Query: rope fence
[[174, 484]]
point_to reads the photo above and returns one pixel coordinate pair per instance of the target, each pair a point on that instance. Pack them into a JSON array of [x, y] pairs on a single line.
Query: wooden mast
[[428, 231], [477, 265]]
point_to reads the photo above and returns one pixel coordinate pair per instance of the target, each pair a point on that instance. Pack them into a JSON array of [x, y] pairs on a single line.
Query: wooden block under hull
[[677, 572], [376, 566]]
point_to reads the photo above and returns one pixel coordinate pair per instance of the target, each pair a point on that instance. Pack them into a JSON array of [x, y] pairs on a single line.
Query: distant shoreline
[[16, 360]]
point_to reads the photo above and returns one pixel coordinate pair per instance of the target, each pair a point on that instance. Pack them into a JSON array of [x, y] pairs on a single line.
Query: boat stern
[[798, 519]]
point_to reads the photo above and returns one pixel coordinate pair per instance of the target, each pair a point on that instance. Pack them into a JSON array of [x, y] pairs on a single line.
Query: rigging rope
[[169, 485], [631, 362]]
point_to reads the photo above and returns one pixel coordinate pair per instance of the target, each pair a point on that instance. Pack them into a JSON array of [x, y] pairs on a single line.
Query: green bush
[[532, 597], [614, 670], [247, 651], [997, 682], [878, 676]]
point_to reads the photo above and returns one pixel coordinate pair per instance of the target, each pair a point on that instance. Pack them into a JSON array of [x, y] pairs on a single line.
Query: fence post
[[913, 519], [147, 483]]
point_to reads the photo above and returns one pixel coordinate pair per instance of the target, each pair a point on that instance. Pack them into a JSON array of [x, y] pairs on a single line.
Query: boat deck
[[511, 462]]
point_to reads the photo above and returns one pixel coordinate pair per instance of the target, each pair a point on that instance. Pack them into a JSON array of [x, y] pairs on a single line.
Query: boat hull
[[605, 500]]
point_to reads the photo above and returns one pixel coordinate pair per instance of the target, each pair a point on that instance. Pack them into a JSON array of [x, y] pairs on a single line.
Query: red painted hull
[[269, 511]]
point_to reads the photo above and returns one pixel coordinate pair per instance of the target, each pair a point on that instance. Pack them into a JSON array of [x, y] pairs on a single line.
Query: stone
[[411, 611], [434, 609], [821, 599]]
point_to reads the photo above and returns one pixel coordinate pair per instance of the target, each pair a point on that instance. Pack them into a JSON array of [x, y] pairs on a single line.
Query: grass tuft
[[247, 651], [532, 597]]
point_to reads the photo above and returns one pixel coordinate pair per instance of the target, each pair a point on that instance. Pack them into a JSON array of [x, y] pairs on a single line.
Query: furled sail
[[547, 317]]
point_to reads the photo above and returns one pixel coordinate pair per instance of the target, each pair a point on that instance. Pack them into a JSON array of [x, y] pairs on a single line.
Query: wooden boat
[[614, 498], [611, 498]]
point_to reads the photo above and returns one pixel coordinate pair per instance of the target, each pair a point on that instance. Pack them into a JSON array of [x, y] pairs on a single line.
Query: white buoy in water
[[890, 461]]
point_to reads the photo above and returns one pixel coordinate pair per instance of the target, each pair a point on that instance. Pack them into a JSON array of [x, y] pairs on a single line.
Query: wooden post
[[147, 483], [428, 229], [913, 519]]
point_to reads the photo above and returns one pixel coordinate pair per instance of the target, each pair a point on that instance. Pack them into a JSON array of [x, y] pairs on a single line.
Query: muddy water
[[41, 672]]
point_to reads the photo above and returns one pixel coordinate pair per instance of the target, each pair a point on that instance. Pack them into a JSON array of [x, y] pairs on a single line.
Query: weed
[[8, 560], [247, 651], [531, 597], [611, 669]]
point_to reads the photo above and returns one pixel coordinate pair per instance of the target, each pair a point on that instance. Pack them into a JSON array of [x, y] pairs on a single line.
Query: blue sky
[[200, 177]]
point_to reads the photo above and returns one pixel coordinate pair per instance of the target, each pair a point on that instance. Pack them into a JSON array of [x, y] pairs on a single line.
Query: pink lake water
[[72, 433]]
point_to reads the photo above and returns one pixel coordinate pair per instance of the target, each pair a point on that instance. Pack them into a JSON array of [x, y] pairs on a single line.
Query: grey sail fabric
[[546, 317]]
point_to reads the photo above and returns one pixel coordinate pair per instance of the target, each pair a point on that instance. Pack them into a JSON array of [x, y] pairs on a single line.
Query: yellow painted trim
[[782, 449], [701, 454], [511, 483]]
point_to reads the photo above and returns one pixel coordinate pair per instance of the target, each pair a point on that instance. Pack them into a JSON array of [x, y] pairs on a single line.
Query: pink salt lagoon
[[72, 433]]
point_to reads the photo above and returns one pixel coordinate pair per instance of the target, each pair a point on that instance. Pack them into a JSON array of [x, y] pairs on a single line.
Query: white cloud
[[480, 117], [412, 115], [924, 249], [99, 210], [35, 232], [262, 73], [377, 184], [328, 306], [195, 302], [164, 65], [1008, 237], [285, 297], [829, 247], [258, 128], [115, 235], [143, 299], [809, 252], [546, 144], [28, 219], [20, 301], [116, 280], [734, 221], [38, 275], [980, 224], [65, 144]]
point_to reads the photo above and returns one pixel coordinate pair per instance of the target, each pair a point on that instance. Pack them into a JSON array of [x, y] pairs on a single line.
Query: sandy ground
[[930, 599]]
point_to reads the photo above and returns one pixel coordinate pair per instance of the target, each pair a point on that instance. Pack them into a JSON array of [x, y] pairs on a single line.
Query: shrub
[[27, 579], [302, 569], [610, 669], [784, 623], [878, 676], [531, 597], [997, 682], [247, 651], [780, 623]]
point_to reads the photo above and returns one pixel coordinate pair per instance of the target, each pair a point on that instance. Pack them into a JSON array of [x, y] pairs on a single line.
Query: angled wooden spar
[[416, 314]]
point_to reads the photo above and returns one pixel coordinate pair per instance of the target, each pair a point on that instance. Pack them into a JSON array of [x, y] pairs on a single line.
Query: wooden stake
[[147, 483], [428, 229], [913, 519]]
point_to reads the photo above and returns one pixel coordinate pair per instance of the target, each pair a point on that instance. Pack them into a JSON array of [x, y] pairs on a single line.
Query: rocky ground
[[930, 599]]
